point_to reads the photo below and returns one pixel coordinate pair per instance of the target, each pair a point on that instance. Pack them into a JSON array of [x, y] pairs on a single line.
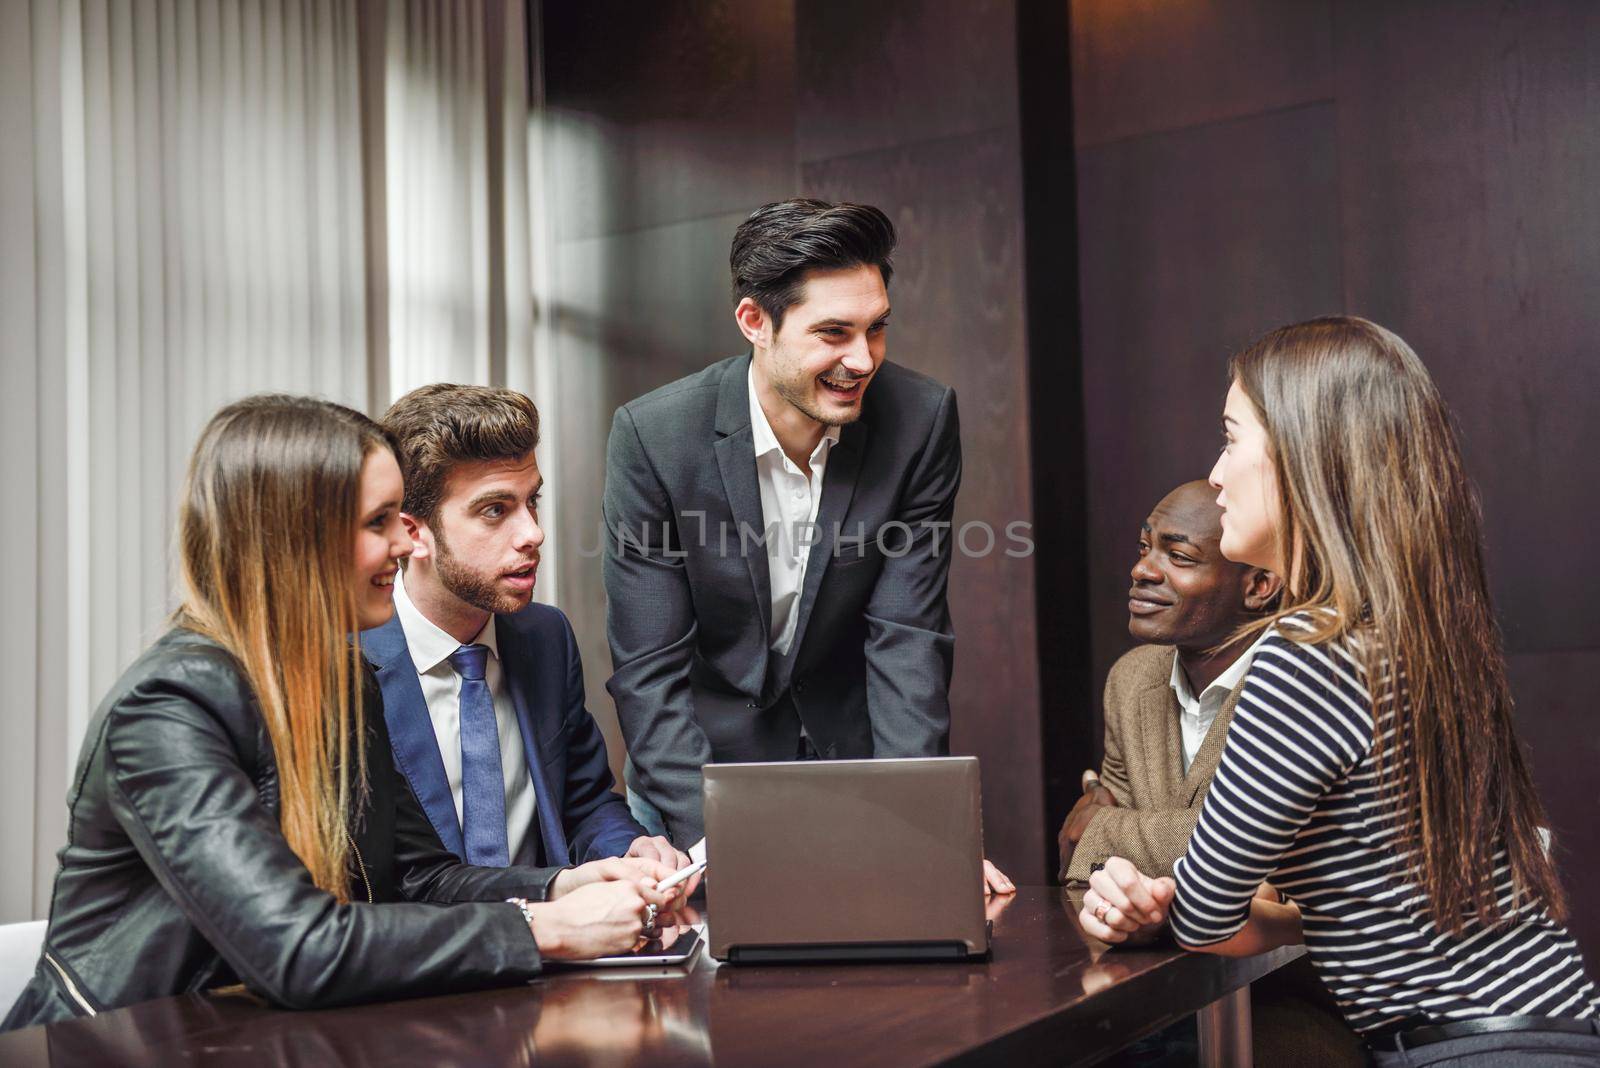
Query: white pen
[[680, 875]]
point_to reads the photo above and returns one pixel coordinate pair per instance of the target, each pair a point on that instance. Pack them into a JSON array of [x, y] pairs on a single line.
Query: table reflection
[[623, 1019], [667, 1016], [498, 1033]]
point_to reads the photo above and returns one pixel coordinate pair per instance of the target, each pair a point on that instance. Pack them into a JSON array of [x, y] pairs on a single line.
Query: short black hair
[[779, 243]]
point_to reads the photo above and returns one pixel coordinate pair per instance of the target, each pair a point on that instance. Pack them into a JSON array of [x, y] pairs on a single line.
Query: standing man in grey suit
[[779, 529]]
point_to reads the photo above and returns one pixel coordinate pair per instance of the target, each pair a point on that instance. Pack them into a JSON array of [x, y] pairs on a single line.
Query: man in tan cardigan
[[1168, 704]]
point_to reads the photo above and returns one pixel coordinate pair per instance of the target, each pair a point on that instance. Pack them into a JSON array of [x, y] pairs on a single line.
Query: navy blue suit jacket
[[580, 817]]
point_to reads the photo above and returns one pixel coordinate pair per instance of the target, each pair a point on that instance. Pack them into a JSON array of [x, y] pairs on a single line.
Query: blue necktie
[[483, 781]]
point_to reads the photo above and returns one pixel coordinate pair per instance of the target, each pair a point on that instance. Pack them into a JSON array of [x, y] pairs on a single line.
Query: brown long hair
[[1381, 525], [266, 534]]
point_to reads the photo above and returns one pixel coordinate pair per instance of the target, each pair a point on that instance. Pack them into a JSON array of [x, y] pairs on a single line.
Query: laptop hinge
[[851, 951]]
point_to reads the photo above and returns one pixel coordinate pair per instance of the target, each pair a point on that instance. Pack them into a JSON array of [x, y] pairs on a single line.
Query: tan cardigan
[[1143, 768]]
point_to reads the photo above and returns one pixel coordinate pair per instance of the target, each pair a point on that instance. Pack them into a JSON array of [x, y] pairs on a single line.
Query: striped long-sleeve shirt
[[1295, 802]]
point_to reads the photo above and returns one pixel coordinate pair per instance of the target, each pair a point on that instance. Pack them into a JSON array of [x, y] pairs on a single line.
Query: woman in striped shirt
[[1372, 773]]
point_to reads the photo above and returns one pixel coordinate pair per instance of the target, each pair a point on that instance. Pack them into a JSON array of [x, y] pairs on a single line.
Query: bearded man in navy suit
[[482, 688]]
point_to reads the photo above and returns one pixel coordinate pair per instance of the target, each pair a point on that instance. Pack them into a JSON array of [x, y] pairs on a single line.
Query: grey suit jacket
[[689, 594], [1143, 768]]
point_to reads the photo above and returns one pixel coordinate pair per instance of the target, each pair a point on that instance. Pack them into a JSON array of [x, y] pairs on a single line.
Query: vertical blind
[[188, 225]]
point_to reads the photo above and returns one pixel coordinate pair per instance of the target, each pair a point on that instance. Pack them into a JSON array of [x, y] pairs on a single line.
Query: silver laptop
[[845, 860]]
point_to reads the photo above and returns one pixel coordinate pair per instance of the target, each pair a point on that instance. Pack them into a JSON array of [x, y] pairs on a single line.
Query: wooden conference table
[[1049, 995]]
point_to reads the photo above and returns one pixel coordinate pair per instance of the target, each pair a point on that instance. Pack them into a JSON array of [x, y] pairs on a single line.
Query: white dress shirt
[[789, 503], [1197, 714], [430, 648]]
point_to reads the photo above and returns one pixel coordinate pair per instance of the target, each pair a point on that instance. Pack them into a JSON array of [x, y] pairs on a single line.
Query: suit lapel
[[736, 460], [522, 672], [1205, 761], [411, 736], [838, 490]]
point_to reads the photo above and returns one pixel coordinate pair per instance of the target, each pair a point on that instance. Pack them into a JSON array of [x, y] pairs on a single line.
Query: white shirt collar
[[1225, 681], [761, 434], [431, 645]]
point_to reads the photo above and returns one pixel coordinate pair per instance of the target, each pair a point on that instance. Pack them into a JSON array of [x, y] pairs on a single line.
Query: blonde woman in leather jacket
[[236, 816]]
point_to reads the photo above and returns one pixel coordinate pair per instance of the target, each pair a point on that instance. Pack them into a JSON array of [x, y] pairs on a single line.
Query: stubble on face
[[791, 382], [476, 588]]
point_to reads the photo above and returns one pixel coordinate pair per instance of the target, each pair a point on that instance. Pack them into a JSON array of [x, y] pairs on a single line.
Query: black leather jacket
[[176, 876]]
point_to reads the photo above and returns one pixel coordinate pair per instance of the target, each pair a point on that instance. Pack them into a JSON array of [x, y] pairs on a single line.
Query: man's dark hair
[[775, 247], [441, 426]]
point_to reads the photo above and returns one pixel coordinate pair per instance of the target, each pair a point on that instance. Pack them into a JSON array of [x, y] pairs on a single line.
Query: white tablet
[[675, 945]]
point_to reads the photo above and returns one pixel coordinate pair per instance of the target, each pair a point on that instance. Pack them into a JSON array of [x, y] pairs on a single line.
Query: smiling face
[[821, 360], [381, 538], [482, 548], [1184, 592], [1247, 483]]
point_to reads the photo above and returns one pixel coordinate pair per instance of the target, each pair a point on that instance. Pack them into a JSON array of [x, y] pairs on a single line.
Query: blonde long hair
[[1381, 525], [267, 535]]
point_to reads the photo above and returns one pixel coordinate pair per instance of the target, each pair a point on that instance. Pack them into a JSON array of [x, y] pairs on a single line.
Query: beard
[[477, 588], [800, 390]]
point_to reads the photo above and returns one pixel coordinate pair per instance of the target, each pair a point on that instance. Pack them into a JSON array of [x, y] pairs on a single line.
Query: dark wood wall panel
[[1191, 244], [958, 316], [1472, 228], [669, 110], [897, 72], [1140, 68], [654, 302]]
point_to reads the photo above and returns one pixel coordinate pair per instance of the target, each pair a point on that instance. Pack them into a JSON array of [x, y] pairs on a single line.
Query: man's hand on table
[[638, 870], [657, 847], [995, 881], [599, 908], [1095, 797], [611, 869], [594, 919], [1123, 903]]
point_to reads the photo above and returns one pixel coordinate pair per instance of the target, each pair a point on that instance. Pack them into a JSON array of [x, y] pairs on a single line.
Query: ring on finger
[[1101, 909], [650, 916]]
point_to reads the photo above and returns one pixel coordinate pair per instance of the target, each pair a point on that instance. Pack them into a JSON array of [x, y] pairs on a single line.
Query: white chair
[[20, 944]]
